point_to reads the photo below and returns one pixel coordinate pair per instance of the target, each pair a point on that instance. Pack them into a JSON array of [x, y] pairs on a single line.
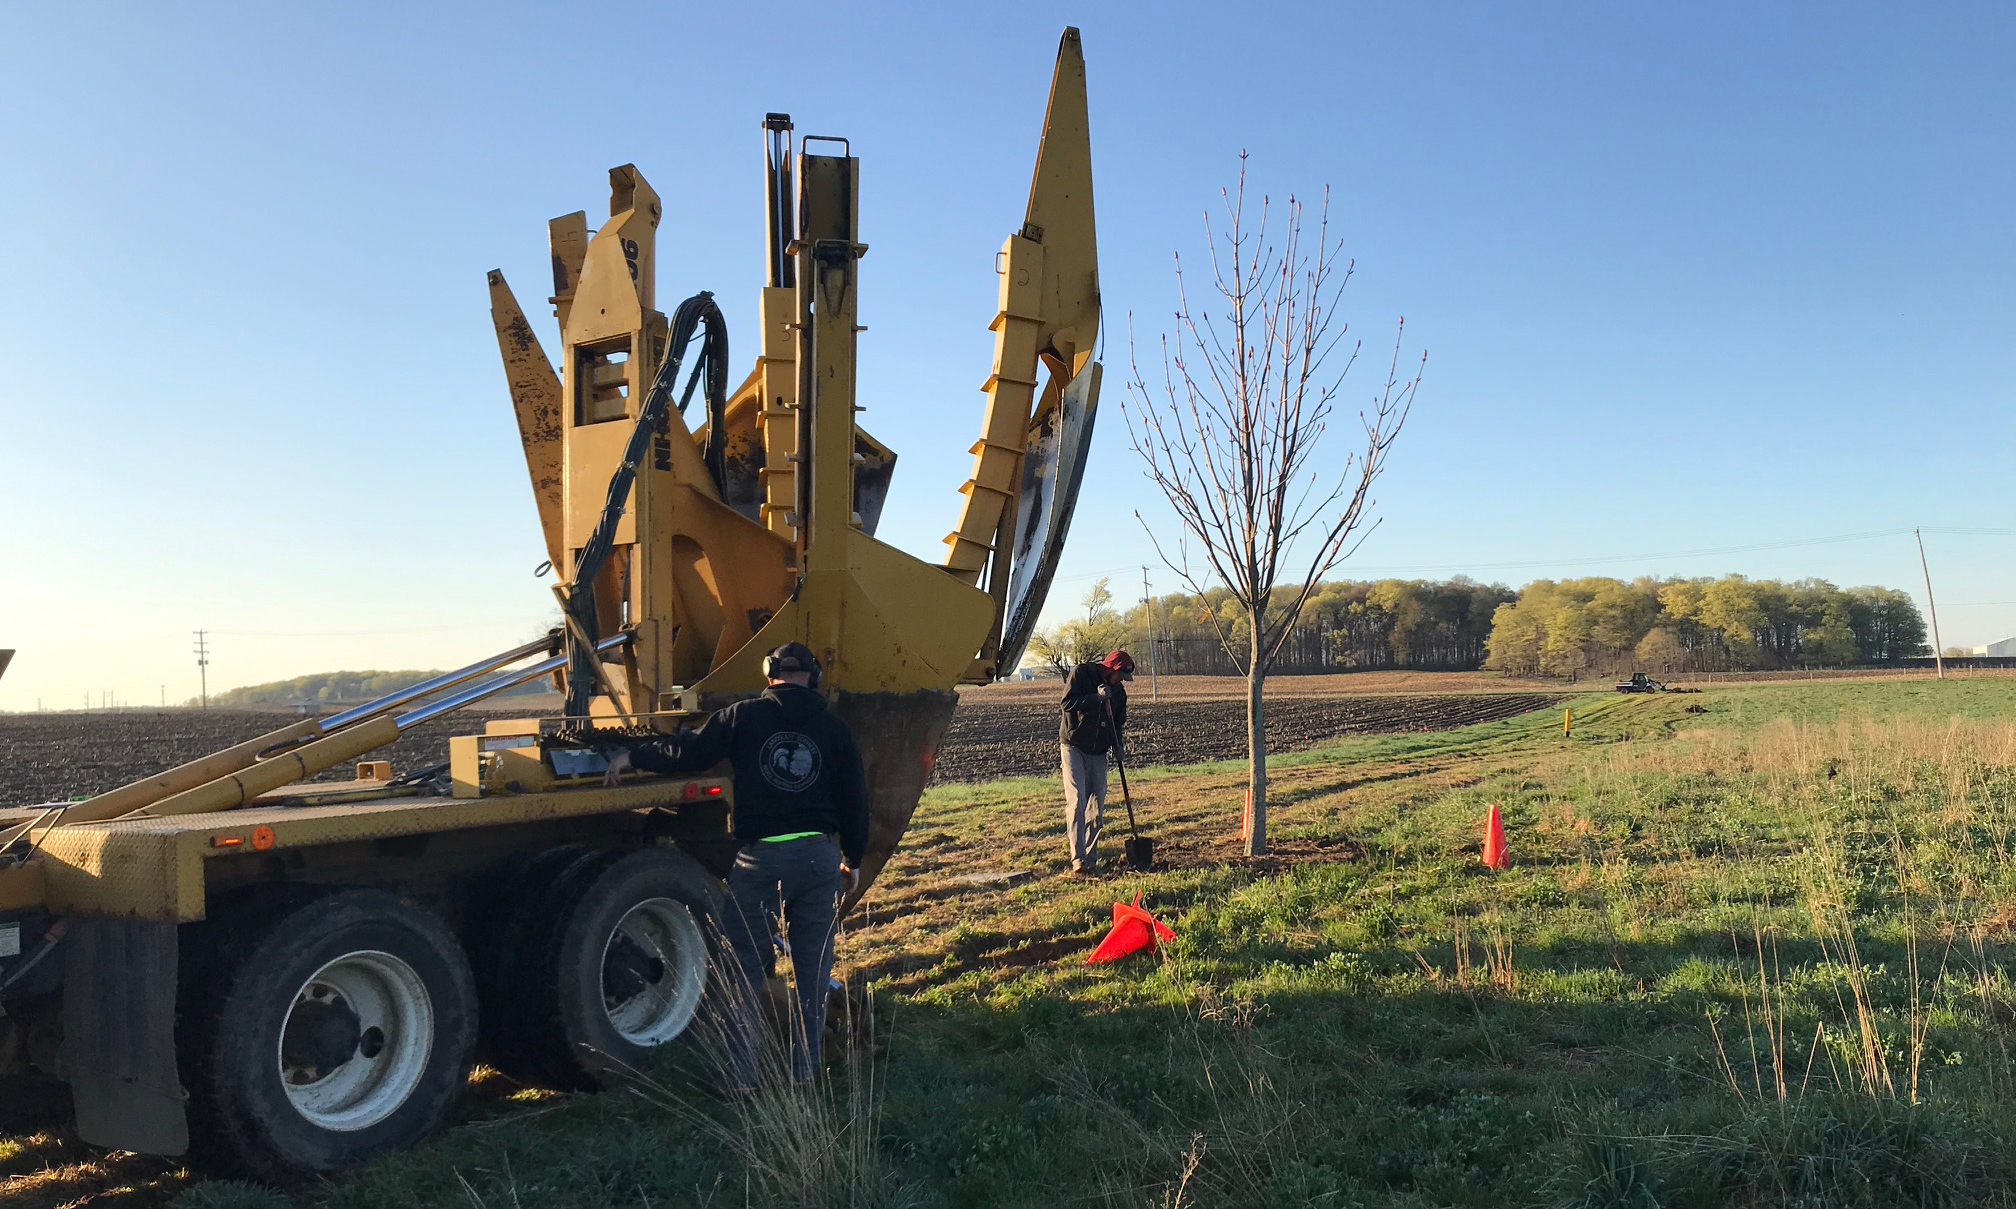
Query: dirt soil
[[1012, 735], [49, 757], [1000, 730], [1334, 684]]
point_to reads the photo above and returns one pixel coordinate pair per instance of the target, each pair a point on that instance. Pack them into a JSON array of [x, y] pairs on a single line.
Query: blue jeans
[[1084, 804], [803, 876]]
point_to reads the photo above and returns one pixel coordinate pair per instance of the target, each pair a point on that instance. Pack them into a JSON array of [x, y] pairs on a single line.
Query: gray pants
[[1084, 803], [803, 876]]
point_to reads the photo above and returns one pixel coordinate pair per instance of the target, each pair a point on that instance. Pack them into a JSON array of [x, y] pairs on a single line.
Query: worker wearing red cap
[[1093, 717]]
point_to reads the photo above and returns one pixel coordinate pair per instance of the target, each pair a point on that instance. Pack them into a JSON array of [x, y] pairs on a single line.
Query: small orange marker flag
[[1495, 856]]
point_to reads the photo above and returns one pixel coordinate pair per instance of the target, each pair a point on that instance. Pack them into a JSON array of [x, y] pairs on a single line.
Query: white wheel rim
[[669, 937], [395, 1023]]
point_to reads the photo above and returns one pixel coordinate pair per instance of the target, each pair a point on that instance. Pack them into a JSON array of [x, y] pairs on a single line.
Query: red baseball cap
[[1119, 661]]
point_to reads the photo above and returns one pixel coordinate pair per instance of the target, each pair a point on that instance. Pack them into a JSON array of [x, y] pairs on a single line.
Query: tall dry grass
[[809, 1145], [1900, 823], [1230, 1153]]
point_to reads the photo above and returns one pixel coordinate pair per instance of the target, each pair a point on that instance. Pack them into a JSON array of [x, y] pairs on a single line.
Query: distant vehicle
[[1641, 683]]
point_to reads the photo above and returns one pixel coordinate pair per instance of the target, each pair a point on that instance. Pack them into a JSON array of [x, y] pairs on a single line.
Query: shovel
[[1138, 849]]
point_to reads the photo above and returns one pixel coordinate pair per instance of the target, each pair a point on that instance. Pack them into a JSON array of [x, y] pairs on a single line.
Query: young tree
[[1079, 641], [1232, 434], [1053, 648], [1660, 651], [1098, 602]]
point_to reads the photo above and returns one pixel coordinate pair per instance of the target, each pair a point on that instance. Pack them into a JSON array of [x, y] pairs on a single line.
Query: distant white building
[[1998, 650]]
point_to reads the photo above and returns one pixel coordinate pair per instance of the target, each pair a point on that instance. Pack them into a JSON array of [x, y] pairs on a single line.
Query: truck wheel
[[504, 917], [625, 965], [334, 1031]]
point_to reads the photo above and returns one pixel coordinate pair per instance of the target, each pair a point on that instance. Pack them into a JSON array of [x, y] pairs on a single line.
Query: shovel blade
[[1140, 852]]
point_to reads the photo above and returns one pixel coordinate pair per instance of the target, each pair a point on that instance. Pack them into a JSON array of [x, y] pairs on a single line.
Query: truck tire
[[511, 931], [503, 918], [327, 1030], [625, 960]]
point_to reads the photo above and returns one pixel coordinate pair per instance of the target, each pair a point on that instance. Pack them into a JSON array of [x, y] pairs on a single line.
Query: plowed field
[[1002, 738], [44, 757]]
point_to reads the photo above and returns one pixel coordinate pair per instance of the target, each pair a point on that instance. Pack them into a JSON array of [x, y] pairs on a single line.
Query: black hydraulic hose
[[712, 369]]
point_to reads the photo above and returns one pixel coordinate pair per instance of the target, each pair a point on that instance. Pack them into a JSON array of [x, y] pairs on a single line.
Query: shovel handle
[[1106, 703]]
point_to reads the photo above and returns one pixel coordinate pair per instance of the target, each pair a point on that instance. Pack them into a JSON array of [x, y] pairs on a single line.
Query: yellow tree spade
[[1233, 436]]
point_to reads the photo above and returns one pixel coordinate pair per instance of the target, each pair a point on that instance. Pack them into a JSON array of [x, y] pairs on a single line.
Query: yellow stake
[[1564, 721]]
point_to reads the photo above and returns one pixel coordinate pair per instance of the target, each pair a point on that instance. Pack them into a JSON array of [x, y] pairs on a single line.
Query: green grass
[[1749, 956]]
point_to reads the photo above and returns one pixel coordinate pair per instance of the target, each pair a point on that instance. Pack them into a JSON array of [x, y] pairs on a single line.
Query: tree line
[[1565, 628], [1440, 625], [318, 689]]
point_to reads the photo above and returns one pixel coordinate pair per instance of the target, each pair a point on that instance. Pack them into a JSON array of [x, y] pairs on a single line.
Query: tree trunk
[[1256, 747]]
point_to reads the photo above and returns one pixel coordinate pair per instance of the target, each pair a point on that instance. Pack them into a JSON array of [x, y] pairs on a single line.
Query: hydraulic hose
[[582, 676]]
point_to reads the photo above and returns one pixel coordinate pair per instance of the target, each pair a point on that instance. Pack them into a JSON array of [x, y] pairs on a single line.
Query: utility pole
[[203, 665], [1148, 603], [1938, 651]]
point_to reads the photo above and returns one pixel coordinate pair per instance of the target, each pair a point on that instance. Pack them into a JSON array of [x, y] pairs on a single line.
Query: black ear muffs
[[780, 663]]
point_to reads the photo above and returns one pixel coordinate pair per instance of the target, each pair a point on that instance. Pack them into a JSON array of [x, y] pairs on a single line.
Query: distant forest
[[339, 688], [1548, 628], [1565, 627], [1562, 628], [1440, 625]]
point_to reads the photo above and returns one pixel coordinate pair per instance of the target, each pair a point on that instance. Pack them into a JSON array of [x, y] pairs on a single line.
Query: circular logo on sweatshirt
[[790, 761]]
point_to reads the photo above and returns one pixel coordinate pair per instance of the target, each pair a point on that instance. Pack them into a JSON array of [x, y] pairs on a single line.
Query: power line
[[1617, 558], [203, 664], [1108, 572], [457, 627], [1938, 654], [1751, 548]]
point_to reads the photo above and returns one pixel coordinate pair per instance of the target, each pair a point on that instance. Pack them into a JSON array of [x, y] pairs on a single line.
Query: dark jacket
[[795, 765], [1083, 722]]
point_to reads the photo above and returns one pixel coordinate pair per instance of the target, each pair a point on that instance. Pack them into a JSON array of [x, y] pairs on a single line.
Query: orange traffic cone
[[1132, 929], [1495, 856]]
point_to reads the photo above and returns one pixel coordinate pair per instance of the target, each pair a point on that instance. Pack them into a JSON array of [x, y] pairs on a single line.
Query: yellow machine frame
[[716, 559]]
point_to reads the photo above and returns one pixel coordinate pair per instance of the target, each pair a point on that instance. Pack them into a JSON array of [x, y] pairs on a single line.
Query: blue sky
[[1692, 277]]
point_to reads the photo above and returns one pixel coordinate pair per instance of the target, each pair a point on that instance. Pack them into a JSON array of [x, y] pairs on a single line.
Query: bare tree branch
[[1233, 434]]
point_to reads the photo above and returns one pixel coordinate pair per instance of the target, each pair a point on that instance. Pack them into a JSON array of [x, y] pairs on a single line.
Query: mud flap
[[119, 1035]]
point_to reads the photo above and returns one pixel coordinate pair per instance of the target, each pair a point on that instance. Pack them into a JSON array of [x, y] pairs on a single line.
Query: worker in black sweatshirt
[[801, 819], [1092, 717]]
